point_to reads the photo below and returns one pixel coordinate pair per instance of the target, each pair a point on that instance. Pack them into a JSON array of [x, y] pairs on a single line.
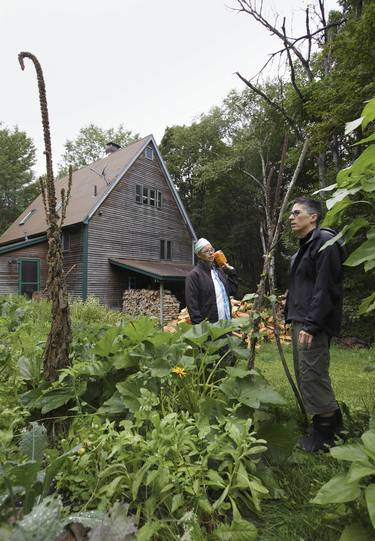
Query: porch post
[[161, 289]]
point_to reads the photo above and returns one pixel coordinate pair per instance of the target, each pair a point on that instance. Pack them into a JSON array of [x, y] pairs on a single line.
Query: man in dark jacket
[[314, 307], [208, 287]]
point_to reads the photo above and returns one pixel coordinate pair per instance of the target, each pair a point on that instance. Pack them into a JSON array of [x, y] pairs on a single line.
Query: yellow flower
[[179, 371]]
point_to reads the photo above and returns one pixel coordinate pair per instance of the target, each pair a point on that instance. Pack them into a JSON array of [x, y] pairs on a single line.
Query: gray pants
[[311, 367]]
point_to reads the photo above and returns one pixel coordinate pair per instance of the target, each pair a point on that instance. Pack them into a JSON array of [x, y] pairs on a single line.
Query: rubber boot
[[322, 435]]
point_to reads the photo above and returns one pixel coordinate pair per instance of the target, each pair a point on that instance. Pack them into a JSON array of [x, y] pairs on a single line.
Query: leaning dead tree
[[56, 354], [275, 208], [297, 53]]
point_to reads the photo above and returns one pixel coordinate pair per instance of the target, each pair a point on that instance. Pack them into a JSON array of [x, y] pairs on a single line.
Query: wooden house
[[125, 227]]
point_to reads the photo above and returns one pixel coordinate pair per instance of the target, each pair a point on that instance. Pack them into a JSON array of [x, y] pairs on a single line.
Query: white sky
[[147, 64]]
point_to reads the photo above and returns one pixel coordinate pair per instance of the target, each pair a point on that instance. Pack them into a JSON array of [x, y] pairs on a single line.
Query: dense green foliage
[[164, 424], [90, 145], [17, 190], [355, 187]]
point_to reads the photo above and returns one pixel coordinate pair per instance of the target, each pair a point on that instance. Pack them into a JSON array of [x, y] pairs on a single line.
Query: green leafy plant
[[355, 185], [357, 484], [25, 483]]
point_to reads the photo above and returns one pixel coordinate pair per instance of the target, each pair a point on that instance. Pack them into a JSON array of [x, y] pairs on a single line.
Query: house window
[[145, 196], [29, 276], [158, 200], [65, 241], [149, 153], [148, 196], [152, 197], [165, 249], [27, 217]]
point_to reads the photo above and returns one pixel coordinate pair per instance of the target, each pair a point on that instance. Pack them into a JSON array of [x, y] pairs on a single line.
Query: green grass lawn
[[293, 518]]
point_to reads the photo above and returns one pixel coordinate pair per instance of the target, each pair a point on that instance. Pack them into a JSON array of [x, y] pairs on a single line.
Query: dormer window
[[149, 153], [27, 217]]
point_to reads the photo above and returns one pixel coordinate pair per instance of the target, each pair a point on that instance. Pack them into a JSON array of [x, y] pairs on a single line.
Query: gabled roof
[[105, 175]]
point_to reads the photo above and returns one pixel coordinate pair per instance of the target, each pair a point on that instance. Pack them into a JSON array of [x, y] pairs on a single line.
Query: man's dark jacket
[[200, 291], [315, 289]]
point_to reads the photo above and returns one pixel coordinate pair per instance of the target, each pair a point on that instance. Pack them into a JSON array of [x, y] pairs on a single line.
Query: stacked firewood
[[244, 309], [146, 302]]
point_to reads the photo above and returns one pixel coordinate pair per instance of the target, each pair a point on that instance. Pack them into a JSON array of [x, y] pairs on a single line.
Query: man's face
[[301, 221], [207, 254]]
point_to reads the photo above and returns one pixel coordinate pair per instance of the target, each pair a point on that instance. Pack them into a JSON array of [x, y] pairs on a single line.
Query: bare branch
[[273, 104], [291, 65]]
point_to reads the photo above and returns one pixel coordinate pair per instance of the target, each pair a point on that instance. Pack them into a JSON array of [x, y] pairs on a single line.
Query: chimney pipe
[[111, 147]]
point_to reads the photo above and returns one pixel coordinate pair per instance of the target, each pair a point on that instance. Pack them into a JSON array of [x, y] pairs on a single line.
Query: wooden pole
[[161, 304]]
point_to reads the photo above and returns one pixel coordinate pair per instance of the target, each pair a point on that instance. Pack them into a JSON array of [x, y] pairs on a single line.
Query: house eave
[[22, 244]]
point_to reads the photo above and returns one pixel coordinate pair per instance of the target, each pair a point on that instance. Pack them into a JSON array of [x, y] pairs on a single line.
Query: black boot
[[323, 433]]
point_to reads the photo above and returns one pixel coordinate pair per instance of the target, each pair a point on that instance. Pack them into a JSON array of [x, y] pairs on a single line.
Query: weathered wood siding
[[73, 262], [123, 228], [9, 270]]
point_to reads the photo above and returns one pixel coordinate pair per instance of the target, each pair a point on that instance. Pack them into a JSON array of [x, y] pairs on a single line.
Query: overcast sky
[[147, 64]]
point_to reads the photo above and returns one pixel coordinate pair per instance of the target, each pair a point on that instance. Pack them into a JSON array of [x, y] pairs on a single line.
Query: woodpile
[[146, 302], [243, 309]]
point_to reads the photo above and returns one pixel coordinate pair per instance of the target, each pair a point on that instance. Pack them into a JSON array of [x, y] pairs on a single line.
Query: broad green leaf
[[353, 453], [237, 371], [368, 184], [368, 139], [24, 475], [365, 252], [140, 329], [88, 519], [58, 396], [340, 194], [148, 531], [369, 265], [356, 532], [370, 500], [250, 297], [42, 523], [113, 406], [177, 501], [367, 304], [337, 490], [34, 442], [332, 216], [130, 391], [138, 478], [214, 479], [368, 439], [30, 369], [358, 471], [368, 113], [160, 368], [281, 439], [221, 328], [108, 344], [198, 334]]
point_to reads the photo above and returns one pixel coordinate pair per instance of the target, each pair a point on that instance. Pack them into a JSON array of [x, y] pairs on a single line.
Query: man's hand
[[305, 340]]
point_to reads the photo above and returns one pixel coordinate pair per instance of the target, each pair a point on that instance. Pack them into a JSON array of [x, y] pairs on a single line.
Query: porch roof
[[161, 271]]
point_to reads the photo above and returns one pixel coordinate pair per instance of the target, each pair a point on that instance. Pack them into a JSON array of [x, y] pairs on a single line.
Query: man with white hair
[[208, 286]]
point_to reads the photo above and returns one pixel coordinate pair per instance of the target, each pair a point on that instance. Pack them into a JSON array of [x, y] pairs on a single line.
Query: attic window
[[27, 217], [149, 153]]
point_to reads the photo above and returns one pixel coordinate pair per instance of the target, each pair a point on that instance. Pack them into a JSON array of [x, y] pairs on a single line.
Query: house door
[[29, 276]]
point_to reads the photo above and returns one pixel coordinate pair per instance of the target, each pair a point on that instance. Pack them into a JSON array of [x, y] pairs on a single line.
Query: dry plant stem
[[270, 252], [56, 354]]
